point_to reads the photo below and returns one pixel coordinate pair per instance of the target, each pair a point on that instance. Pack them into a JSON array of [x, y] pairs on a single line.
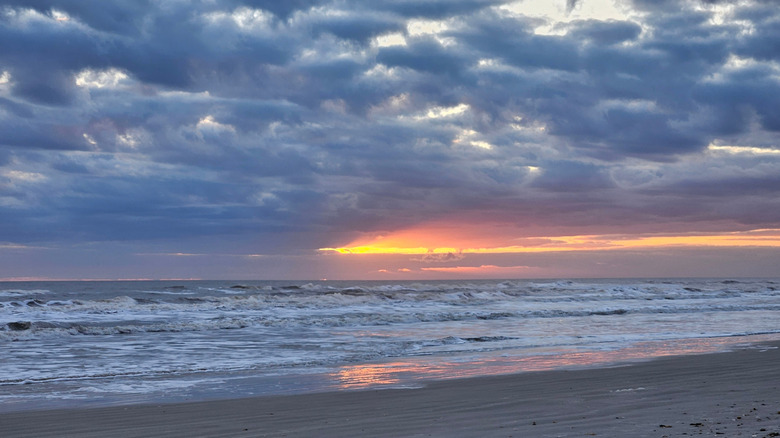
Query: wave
[[193, 307], [384, 298], [22, 292], [32, 329], [446, 345]]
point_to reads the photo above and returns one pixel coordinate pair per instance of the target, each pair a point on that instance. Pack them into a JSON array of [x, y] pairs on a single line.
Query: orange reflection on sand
[[638, 352], [370, 375], [418, 369]]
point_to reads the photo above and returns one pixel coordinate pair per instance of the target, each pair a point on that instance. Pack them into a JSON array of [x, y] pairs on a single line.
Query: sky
[[390, 139]]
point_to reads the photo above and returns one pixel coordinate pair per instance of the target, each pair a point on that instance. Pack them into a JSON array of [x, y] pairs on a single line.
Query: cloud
[[307, 124], [606, 32], [359, 27], [434, 8], [492, 271], [440, 257]]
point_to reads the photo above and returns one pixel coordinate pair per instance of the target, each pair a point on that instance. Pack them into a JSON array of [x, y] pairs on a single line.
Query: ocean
[[99, 343]]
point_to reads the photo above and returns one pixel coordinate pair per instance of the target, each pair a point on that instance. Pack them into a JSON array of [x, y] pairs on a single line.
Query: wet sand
[[723, 394]]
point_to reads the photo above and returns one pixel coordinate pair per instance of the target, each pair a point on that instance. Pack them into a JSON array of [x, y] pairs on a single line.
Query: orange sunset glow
[[450, 239]]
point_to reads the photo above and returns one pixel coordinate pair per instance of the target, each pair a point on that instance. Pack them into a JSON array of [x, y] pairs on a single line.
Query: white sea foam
[[22, 292], [139, 331]]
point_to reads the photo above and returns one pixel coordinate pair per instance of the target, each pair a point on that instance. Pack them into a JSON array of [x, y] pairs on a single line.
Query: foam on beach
[[120, 342]]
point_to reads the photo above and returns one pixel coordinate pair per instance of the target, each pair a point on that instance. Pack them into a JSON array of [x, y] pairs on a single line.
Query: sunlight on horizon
[[404, 242]]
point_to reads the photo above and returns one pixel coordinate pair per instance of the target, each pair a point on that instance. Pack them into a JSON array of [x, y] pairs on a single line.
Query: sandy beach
[[726, 394]]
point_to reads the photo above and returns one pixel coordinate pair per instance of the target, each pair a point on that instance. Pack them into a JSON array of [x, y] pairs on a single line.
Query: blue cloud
[[294, 121]]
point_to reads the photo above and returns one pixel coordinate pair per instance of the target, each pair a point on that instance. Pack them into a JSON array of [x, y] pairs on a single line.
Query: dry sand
[[725, 394]]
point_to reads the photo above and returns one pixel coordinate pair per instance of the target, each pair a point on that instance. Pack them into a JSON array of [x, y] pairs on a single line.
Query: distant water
[[96, 343]]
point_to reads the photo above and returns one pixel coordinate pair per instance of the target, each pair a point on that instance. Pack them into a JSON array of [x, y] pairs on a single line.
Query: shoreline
[[391, 373], [731, 393]]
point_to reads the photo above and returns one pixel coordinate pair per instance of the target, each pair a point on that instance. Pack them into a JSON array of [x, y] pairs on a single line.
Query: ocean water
[[101, 343]]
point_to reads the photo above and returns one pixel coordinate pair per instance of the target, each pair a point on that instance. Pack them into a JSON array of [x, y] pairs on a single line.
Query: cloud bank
[[278, 128]]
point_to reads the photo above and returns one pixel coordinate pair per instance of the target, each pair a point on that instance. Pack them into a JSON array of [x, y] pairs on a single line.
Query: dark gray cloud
[[268, 121], [435, 9], [20, 110], [424, 56], [282, 9], [124, 17], [573, 176], [358, 27], [512, 40], [605, 33], [440, 257]]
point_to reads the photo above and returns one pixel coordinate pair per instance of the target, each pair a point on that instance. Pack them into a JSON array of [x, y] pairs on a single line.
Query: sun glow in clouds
[[441, 112], [60, 16], [734, 150], [18, 176], [557, 12], [419, 242], [389, 40], [467, 136], [110, 78]]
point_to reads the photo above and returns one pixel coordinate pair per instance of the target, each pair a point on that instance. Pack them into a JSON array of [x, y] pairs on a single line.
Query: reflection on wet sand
[[384, 374], [410, 372]]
